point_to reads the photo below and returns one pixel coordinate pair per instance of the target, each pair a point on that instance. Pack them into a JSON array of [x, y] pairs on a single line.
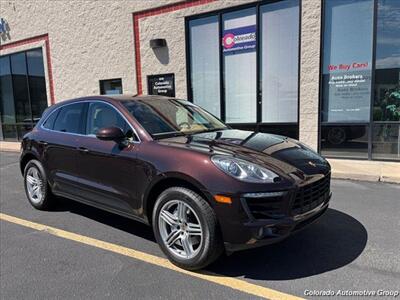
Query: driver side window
[[102, 115]]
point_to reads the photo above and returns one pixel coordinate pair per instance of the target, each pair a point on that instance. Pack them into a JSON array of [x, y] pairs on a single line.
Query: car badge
[[312, 164]]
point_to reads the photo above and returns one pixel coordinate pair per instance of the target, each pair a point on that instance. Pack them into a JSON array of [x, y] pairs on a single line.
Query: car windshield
[[170, 117]]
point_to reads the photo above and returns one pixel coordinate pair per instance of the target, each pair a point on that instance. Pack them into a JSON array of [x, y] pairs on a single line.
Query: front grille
[[312, 195], [266, 207]]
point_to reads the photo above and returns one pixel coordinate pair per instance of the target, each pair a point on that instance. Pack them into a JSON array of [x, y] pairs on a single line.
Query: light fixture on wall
[[158, 43]]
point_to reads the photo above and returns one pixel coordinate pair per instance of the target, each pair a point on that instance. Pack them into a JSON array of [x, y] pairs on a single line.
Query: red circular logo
[[229, 40]]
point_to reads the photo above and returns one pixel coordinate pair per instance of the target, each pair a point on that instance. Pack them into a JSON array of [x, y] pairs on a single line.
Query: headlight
[[243, 170]]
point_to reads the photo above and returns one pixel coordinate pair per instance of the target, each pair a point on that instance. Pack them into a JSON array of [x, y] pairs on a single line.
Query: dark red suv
[[201, 185]]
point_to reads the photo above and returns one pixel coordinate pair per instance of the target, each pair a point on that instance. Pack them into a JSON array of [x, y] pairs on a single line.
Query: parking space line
[[233, 283]]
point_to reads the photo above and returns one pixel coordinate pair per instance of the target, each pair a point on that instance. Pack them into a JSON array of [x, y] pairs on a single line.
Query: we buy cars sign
[[239, 39]]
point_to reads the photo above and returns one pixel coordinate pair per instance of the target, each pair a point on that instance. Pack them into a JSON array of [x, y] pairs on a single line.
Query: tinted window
[[387, 73], [20, 87], [23, 95], [279, 61], [49, 123], [347, 60], [204, 59], [69, 119], [110, 87], [166, 116], [239, 62], [37, 82], [102, 115]]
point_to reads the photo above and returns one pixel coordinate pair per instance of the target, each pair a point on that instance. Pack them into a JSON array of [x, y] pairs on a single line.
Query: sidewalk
[[10, 146], [365, 170]]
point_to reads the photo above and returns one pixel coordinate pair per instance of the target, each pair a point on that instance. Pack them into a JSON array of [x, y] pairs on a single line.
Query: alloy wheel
[[34, 184], [180, 229]]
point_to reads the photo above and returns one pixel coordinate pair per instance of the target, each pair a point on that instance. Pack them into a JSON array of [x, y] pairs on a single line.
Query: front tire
[[186, 228], [36, 187]]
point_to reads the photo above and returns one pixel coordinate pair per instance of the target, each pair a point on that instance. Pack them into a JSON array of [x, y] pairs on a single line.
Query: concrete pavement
[[353, 246]]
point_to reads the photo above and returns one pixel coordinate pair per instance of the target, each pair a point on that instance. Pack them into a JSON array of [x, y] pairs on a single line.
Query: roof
[[121, 97], [124, 97]]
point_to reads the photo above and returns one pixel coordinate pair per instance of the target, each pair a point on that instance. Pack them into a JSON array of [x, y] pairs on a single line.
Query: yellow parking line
[[230, 282]]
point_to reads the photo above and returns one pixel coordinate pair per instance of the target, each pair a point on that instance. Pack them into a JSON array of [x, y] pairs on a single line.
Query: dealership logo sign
[[239, 39]]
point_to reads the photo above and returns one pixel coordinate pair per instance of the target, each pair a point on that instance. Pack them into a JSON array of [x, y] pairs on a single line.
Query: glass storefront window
[[386, 137], [347, 60], [204, 62], [279, 61], [348, 84], [240, 59], [386, 141], [23, 93], [387, 73], [345, 141], [23, 111], [8, 130], [37, 83]]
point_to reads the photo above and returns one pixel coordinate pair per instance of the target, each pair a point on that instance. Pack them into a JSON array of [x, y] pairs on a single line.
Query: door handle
[[43, 143], [83, 150]]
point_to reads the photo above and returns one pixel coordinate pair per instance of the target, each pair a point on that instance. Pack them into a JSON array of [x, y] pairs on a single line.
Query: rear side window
[[49, 123], [69, 118]]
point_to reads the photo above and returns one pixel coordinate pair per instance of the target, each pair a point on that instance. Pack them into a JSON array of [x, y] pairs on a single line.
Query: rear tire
[[36, 187], [186, 228]]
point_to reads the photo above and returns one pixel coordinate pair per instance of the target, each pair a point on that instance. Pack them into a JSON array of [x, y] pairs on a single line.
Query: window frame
[[59, 110], [32, 122], [259, 125], [101, 85], [85, 119]]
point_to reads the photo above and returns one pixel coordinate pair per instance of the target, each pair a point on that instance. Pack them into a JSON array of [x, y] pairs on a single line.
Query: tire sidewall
[[43, 202], [183, 195]]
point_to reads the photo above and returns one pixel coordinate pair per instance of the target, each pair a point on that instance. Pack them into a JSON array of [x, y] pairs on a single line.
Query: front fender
[[168, 179]]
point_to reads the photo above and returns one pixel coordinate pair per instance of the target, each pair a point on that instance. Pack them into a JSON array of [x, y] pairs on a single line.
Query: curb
[[365, 177]]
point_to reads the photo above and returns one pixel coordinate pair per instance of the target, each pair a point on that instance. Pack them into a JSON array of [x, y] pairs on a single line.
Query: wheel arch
[[28, 156], [167, 181]]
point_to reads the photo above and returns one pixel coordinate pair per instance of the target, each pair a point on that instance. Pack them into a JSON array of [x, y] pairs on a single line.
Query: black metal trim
[[321, 73], [299, 67], [28, 86], [258, 69], [21, 51], [221, 70], [189, 90], [373, 64]]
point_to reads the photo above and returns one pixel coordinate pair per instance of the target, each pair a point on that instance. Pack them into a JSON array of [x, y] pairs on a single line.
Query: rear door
[[107, 169], [60, 146]]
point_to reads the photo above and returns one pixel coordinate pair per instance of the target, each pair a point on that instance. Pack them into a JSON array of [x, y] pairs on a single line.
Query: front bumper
[[253, 221], [273, 231]]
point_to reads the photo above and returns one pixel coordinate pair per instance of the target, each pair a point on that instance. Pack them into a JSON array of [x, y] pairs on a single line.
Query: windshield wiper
[[210, 130], [163, 135]]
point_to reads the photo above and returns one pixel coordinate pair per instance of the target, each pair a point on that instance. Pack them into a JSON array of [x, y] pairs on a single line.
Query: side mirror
[[110, 134]]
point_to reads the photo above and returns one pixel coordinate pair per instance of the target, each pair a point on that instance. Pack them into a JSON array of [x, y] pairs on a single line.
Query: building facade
[[324, 71]]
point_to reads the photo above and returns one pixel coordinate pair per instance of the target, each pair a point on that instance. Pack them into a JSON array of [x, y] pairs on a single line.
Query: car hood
[[282, 154]]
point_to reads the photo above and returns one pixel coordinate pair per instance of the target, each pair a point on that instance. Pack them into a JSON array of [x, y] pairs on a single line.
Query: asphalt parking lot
[[355, 246]]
